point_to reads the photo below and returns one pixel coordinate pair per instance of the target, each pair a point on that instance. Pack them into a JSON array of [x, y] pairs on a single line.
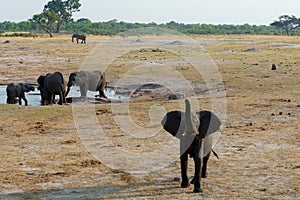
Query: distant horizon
[[156, 22], [214, 12]]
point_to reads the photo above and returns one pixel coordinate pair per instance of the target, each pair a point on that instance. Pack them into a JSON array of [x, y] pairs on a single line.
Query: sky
[[258, 12]]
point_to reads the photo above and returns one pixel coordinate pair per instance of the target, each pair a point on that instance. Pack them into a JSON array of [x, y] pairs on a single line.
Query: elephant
[[18, 90], [79, 37], [51, 85], [93, 81], [194, 132]]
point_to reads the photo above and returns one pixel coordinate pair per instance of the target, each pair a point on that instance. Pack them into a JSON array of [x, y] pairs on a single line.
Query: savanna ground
[[43, 157]]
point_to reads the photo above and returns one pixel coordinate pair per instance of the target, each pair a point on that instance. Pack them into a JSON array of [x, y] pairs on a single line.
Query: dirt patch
[[43, 156]]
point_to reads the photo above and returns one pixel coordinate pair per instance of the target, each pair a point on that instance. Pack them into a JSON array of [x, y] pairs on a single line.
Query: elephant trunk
[[68, 90], [190, 126]]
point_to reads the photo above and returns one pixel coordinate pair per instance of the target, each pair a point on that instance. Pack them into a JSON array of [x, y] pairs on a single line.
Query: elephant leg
[[102, 94], [22, 96], [184, 165], [64, 97], [197, 161], [204, 167], [25, 100], [83, 90], [52, 99], [101, 90], [60, 102], [20, 101], [197, 178], [10, 100]]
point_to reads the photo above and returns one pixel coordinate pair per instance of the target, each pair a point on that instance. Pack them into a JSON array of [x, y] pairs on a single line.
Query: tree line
[[56, 17], [113, 27]]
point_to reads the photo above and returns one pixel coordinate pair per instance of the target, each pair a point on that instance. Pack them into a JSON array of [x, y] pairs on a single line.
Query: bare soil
[[43, 156]]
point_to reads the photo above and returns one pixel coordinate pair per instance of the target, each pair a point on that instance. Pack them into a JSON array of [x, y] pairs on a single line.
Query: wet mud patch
[[137, 92], [34, 98]]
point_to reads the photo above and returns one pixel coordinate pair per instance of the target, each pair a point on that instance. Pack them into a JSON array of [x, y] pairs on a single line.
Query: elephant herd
[[194, 130], [54, 84]]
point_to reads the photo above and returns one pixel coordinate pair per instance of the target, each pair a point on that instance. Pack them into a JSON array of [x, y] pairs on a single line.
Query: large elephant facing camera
[[93, 81], [195, 131], [51, 85], [18, 90]]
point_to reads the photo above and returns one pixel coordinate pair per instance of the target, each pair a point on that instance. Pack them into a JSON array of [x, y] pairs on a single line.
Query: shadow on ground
[[136, 190]]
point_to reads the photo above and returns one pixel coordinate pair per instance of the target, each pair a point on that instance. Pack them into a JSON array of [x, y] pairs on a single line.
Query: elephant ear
[[21, 87], [28, 87], [81, 77], [25, 87], [41, 80], [209, 123], [172, 123]]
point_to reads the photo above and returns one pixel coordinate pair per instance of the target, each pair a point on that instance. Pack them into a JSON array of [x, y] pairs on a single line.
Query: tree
[[84, 20], [288, 23], [56, 12], [45, 20], [64, 10]]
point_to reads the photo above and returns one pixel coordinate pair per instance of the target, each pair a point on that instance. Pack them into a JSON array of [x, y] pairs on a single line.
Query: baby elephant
[[17, 90]]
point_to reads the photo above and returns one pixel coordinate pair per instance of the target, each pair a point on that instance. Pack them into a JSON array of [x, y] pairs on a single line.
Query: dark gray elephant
[[51, 85], [193, 130], [17, 90], [78, 37], [93, 81]]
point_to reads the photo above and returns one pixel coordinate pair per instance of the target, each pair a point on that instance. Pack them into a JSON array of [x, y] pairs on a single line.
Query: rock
[[176, 42], [175, 96], [273, 67], [262, 190], [139, 41], [150, 86], [6, 42], [251, 50], [157, 50]]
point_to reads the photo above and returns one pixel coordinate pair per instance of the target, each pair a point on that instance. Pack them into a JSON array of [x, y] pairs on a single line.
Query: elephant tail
[[103, 77], [215, 154]]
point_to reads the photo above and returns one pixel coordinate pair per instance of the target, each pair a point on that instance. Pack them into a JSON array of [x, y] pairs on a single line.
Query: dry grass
[[42, 155]]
